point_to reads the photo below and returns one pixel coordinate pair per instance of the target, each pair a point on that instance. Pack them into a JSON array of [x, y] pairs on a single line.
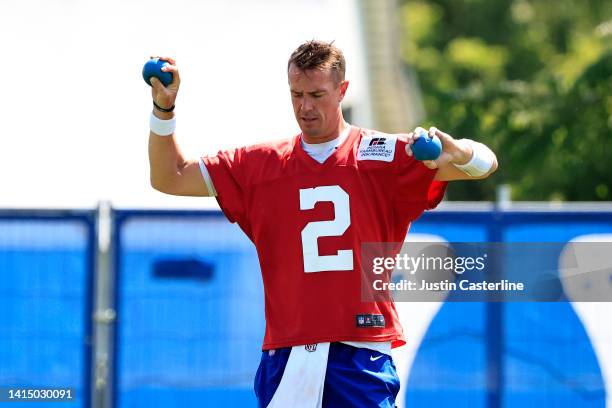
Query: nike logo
[[374, 358]]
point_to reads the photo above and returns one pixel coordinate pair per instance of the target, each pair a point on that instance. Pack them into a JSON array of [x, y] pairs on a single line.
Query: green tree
[[529, 78]]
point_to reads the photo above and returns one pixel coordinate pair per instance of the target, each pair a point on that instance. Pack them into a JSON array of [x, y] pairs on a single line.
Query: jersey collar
[[337, 157]]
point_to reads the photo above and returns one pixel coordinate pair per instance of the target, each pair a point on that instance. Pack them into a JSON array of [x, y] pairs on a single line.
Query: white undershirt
[[320, 152]]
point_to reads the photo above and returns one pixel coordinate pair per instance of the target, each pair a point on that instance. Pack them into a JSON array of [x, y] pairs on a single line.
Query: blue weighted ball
[[426, 147], [152, 68]]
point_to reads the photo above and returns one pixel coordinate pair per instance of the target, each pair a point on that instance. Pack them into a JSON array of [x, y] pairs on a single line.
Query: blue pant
[[355, 377]]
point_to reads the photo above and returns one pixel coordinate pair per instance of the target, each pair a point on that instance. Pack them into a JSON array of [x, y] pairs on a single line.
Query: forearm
[[170, 171], [165, 161], [460, 164]]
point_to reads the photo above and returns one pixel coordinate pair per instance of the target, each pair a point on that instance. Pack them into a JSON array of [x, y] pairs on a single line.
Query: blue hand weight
[[426, 147], [152, 68]]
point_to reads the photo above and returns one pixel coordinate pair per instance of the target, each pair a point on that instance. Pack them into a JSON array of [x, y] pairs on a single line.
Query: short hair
[[316, 54]]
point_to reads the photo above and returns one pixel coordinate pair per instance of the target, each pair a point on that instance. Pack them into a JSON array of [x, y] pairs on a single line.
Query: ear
[[343, 87]]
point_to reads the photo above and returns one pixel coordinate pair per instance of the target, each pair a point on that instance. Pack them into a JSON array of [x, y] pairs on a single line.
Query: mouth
[[308, 120]]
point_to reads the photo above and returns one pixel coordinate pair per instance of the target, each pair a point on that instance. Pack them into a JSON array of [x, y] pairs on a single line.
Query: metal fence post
[[494, 316], [104, 311]]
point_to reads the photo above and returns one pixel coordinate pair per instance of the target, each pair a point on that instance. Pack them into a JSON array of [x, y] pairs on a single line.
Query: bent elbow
[[156, 186], [160, 186]]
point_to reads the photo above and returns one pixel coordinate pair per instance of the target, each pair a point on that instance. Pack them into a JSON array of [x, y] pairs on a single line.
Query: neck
[[335, 133]]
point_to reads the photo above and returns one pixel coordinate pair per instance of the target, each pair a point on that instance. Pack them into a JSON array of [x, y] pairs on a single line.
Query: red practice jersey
[[308, 221]]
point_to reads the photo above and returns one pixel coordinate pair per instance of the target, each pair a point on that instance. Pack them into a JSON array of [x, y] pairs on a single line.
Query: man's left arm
[[461, 159]]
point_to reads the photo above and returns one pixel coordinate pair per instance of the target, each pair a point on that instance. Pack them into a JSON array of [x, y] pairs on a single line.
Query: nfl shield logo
[[310, 347], [361, 320]]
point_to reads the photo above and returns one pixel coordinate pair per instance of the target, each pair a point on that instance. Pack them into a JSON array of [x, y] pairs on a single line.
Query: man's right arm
[[170, 172]]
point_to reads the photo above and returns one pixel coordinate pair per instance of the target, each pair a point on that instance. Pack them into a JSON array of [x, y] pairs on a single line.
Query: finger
[[430, 164], [408, 150], [173, 69], [411, 137], [169, 68], [418, 131], [405, 137], [408, 139], [168, 59], [156, 84], [437, 132]]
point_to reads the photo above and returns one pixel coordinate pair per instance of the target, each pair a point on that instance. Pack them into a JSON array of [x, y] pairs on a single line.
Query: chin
[[310, 131]]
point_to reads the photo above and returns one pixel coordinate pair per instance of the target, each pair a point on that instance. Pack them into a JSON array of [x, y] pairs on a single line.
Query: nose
[[306, 104]]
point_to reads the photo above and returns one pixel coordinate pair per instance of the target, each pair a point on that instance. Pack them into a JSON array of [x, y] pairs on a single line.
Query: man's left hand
[[453, 150]]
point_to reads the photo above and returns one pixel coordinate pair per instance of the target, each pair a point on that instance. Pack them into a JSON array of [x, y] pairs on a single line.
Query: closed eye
[[313, 94]]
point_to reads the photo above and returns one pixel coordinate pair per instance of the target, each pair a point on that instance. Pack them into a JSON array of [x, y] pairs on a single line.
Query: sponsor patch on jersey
[[377, 146], [370, 320]]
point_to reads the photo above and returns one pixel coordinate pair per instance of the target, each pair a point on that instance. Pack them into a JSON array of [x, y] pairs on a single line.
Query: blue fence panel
[[510, 354], [190, 307], [451, 365], [190, 314], [46, 263], [548, 356]]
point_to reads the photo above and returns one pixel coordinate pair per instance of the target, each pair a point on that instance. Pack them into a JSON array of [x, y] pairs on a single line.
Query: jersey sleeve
[[226, 170], [416, 189]]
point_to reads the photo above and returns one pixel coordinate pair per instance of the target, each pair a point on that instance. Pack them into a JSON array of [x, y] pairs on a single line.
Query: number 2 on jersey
[[313, 262]]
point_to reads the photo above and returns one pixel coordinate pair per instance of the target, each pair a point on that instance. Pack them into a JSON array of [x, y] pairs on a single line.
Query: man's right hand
[[165, 97]]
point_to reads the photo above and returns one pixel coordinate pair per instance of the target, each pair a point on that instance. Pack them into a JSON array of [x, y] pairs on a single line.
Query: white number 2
[[313, 262]]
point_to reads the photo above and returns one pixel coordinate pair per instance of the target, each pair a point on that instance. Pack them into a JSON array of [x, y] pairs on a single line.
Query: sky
[[75, 108]]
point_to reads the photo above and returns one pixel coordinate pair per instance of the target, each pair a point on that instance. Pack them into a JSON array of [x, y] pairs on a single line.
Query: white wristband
[[162, 127], [481, 161]]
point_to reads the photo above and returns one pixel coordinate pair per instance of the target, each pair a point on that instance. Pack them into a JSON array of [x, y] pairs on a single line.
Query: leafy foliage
[[530, 78]]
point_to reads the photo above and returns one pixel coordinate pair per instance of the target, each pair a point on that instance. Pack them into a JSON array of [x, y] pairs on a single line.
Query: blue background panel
[[190, 301], [450, 366], [191, 316], [539, 353], [45, 270]]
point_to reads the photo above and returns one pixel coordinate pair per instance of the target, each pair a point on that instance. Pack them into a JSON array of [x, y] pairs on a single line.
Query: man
[[308, 203]]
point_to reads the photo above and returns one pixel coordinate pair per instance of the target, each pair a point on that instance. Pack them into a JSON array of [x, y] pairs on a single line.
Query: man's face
[[316, 96]]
